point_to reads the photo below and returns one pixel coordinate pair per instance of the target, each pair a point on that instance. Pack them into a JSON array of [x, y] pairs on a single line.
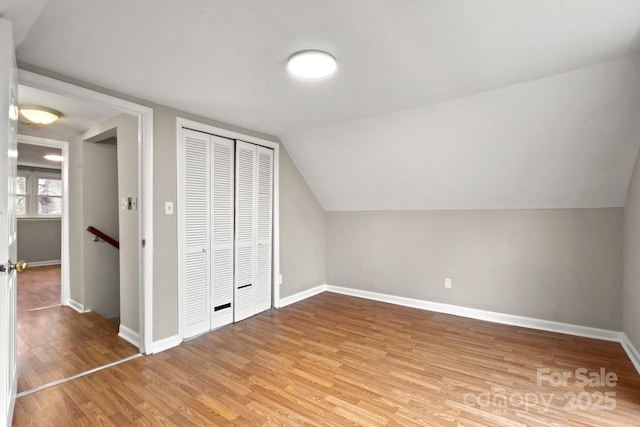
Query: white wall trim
[[145, 182], [490, 316], [44, 263], [77, 306], [166, 343], [292, 299], [632, 352], [129, 335]]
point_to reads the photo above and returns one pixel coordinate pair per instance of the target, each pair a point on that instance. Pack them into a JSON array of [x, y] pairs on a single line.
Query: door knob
[[18, 266]]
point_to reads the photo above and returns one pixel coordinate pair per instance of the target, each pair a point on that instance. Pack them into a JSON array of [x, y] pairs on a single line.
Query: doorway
[[144, 185], [70, 295]]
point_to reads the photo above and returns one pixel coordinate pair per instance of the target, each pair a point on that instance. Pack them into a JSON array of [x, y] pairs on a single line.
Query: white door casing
[[8, 158]]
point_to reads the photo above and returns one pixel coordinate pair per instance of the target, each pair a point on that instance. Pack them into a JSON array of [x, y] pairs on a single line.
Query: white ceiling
[[225, 59], [33, 156]]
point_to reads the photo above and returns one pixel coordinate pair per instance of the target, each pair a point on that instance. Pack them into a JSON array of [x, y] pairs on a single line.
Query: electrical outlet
[[447, 283], [280, 280]]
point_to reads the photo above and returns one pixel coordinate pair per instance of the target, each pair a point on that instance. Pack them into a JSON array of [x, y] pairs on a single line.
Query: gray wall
[[631, 261], [559, 265], [303, 231], [39, 239]]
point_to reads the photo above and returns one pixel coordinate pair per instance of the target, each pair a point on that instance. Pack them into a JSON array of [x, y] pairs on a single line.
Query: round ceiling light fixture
[[39, 115], [54, 157], [312, 64]]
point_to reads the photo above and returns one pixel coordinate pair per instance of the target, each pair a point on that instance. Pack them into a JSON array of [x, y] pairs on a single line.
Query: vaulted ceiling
[[436, 104]]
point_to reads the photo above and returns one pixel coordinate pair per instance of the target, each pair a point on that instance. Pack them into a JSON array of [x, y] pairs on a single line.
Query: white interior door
[[226, 230], [196, 293], [264, 212], [222, 219], [245, 230], [8, 157]]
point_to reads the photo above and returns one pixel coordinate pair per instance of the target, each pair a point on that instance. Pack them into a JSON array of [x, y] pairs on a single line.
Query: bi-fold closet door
[[254, 180], [227, 189]]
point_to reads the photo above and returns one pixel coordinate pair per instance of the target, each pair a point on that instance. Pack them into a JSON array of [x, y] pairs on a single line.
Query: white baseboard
[[43, 263], [632, 352], [166, 344], [490, 316], [291, 299], [77, 306], [129, 335]]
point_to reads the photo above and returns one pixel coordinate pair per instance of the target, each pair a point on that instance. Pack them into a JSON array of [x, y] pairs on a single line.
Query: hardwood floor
[[338, 360], [38, 287], [56, 342]]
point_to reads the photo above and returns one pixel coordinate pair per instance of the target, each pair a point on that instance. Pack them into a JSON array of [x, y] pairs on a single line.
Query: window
[[49, 196], [21, 190], [38, 194]]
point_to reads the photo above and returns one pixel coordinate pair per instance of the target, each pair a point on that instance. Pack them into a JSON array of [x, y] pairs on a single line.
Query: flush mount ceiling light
[[312, 64], [54, 157], [39, 115]]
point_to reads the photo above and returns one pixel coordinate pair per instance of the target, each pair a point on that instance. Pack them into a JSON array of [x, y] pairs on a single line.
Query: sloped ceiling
[[436, 104], [567, 141]]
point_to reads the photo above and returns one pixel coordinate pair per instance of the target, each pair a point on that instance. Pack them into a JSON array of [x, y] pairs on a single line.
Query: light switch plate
[[168, 208]]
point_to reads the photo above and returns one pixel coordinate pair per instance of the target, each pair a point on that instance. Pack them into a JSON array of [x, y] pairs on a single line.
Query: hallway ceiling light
[[39, 115], [312, 64], [54, 157]]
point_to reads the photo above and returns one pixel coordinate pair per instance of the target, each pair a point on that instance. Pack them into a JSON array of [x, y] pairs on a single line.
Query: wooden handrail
[[99, 234]]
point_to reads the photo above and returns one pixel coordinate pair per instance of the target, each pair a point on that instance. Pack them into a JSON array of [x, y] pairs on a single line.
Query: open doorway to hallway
[[71, 316]]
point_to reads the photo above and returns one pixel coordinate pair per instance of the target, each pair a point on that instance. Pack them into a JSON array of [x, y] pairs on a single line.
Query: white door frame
[[145, 183], [197, 126], [65, 279]]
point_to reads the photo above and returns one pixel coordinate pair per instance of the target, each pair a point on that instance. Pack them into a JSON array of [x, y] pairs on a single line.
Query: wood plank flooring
[[334, 360], [38, 287], [56, 342]]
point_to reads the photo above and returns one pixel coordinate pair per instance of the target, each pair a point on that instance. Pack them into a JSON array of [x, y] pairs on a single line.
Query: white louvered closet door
[[196, 289], [222, 195], [264, 212], [245, 230]]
